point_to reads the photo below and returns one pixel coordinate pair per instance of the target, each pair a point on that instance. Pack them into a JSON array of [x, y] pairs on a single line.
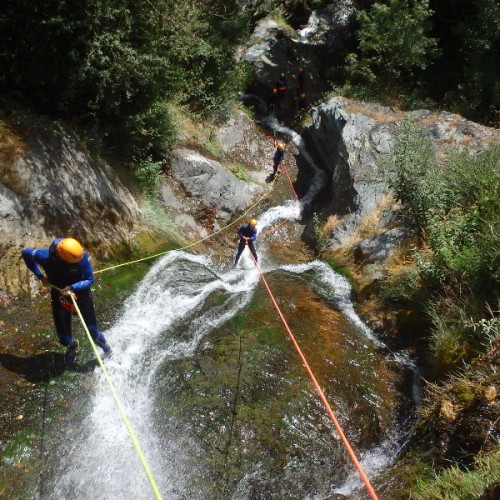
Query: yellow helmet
[[252, 222], [69, 250], [280, 146]]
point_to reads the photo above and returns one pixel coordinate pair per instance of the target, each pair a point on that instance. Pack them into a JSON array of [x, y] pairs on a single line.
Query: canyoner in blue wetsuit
[[278, 158], [247, 234], [68, 268]]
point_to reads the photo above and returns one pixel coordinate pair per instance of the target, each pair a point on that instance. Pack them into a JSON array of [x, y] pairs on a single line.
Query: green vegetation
[[240, 172], [118, 68], [455, 483], [455, 206], [393, 42], [452, 277], [148, 175], [427, 53]]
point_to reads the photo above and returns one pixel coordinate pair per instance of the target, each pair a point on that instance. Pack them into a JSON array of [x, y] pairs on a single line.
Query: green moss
[[19, 448], [239, 171], [342, 270], [212, 148]]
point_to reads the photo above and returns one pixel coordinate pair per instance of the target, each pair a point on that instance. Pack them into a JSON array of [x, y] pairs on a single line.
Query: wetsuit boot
[[72, 352]]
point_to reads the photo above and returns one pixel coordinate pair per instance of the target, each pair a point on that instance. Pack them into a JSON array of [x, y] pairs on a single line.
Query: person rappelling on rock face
[[282, 85], [273, 102], [278, 158], [247, 234], [68, 271], [301, 81]]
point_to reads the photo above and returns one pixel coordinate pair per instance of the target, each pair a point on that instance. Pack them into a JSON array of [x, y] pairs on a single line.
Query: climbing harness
[[320, 392]]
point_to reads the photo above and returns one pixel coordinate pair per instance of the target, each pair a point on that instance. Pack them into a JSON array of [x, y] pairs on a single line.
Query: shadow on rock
[[42, 367]]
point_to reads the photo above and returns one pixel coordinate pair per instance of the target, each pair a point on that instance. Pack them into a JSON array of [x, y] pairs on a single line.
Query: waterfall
[[166, 318]]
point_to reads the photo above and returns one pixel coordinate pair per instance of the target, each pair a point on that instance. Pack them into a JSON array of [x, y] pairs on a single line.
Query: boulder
[[350, 141], [208, 183]]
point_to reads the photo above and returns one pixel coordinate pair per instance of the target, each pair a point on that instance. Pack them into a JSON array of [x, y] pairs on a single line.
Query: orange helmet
[[280, 146], [252, 222], [302, 96], [69, 250]]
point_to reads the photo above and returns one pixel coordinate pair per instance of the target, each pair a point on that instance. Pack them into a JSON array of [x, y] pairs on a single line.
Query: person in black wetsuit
[[247, 234], [67, 266], [278, 158]]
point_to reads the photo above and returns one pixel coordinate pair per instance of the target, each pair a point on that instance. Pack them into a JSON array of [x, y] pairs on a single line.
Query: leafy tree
[[466, 76], [118, 65], [393, 41]]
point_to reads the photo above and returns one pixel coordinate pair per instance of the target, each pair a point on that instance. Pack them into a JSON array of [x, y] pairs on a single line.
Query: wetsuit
[[249, 232], [79, 276], [282, 85], [278, 157], [272, 102], [301, 82]]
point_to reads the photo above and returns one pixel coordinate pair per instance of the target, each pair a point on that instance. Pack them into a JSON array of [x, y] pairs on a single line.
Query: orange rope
[[321, 394], [277, 226], [291, 183]]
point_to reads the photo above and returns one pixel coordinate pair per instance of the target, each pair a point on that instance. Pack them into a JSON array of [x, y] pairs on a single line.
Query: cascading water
[[184, 298]]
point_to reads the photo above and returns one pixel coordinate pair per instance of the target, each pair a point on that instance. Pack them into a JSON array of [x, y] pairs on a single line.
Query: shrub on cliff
[[456, 206]]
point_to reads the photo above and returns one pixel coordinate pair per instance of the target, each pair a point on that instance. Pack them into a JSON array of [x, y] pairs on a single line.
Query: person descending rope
[[301, 81], [68, 269], [273, 102], [282, 85], [247, 234], [302, 102], [278, 157]]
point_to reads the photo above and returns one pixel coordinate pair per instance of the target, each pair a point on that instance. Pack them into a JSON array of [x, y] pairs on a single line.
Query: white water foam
[[101, 462]]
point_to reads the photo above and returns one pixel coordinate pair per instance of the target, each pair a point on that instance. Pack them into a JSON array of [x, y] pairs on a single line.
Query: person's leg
[[252, 249], [241, 247], [87, 309], [62, 322]]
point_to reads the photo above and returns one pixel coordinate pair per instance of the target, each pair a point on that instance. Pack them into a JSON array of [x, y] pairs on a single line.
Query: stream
[[217, 396]]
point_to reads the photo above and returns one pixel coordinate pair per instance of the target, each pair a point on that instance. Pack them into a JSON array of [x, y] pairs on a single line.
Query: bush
[[393, 41], [115, 66], [456, 206], [148, 175], [153, 131]]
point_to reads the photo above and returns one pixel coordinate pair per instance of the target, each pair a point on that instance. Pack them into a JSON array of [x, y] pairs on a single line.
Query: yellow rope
[[194, 243], [134, 440]]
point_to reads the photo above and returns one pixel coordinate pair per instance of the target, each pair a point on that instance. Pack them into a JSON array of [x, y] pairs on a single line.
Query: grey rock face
[[275, 49], [377, 249], [210, 184], [56, 189], [350, 145], [350, 141]]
